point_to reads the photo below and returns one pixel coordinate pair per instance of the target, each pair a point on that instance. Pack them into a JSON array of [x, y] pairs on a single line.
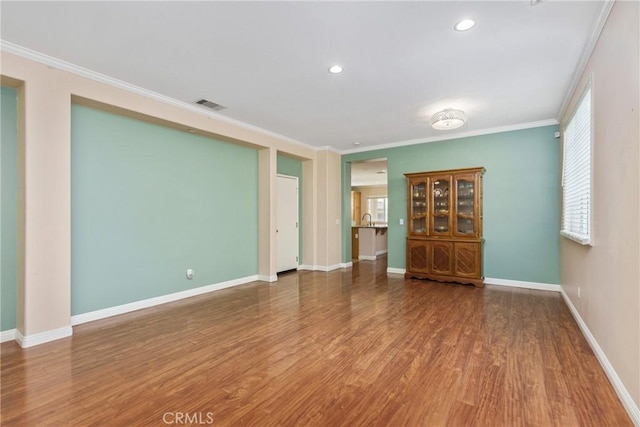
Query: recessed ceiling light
[[335, 69], [356, 143], [464, 25]]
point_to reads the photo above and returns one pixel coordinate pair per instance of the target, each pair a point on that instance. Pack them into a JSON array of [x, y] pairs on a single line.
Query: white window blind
[[576, 173]]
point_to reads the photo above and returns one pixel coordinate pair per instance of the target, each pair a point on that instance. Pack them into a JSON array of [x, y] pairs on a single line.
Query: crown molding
[[328, 148], [605, 10], [457, 135], [59, 64]]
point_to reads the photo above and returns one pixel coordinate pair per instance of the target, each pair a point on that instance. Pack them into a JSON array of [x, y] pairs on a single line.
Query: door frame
[[297, 211]]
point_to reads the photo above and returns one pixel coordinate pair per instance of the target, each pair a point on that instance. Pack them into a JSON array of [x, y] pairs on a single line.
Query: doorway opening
[[369, 209]]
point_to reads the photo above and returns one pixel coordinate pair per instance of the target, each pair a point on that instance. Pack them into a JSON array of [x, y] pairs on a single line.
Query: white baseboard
[[43, 337], [522, 284], [329, 267], [325, 267], [367, 257], [382, 252], [163, 299], [269, 279], [501, 282], [8, 335], [622, 392]]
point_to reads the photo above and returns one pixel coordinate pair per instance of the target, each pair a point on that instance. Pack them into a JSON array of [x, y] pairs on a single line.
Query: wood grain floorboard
[[351, 347]]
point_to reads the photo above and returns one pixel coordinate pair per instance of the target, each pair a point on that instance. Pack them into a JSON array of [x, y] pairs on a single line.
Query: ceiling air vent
[[210, 104]]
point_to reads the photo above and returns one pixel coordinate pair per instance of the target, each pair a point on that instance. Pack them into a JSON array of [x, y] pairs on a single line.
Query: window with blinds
[[377, 206], [576, 173]]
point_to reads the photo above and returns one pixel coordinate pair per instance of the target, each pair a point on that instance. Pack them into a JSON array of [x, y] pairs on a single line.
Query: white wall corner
[[8, 335], [43, 337], [522, 284], [623, 394], [394, 270], [601, 20]]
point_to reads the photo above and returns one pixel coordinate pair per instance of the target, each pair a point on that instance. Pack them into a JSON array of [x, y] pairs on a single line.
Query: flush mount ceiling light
[[335, 69], [464, 25], [448, 119]]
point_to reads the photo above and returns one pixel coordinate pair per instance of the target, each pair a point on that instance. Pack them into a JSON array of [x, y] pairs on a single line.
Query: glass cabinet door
[[465, 205], [440, 202], [418, 197]]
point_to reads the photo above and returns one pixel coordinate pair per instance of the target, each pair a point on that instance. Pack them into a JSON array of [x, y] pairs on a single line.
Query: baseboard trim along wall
[[269, 279], [43, 337], [8, 335], [325, 267], [623, 394], [500, 282], [367, 257], [522, 284], [163, 299]]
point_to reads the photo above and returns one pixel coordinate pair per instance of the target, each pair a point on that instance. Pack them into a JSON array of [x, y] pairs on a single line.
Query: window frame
[[374, 212], [572, 234]]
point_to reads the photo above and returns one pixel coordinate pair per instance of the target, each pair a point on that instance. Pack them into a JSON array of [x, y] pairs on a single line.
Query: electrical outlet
[[579, 292], [190, 273], [401, 221]]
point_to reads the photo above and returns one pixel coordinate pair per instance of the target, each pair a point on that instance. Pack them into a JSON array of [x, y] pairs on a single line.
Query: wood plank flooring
[[351, 347]]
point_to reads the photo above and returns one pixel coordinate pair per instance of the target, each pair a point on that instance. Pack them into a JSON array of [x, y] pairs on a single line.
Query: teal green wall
[[148, 202], [521, 198], [9, 207], [293, 167]]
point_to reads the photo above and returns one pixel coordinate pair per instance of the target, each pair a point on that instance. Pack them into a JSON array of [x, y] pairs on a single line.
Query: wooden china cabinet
[[444, 235]]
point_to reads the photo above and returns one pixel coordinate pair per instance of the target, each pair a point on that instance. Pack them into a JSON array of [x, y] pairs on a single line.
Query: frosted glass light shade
[[448, 119]]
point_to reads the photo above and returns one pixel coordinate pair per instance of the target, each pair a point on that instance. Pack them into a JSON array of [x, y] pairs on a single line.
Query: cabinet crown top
[[478, 169]]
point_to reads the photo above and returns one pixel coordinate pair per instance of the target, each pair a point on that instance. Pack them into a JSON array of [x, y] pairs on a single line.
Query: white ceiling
[[267, 62], [369, 173]]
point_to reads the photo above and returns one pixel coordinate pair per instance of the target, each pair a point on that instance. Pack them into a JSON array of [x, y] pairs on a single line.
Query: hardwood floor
[[346, 348]]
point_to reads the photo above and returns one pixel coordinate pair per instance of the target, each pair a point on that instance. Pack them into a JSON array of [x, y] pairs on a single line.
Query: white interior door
[[287, 223]]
